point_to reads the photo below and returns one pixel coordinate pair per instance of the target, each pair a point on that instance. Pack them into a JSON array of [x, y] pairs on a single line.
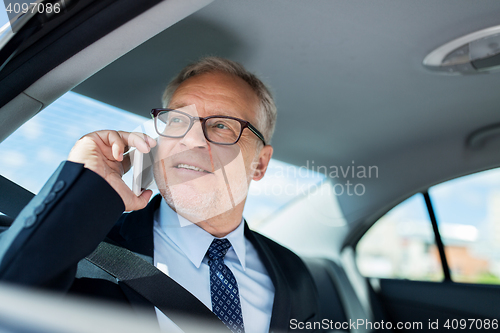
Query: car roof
[[349, 82]]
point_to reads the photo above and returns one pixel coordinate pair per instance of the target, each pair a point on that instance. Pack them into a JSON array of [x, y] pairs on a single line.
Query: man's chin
[[195, 206]]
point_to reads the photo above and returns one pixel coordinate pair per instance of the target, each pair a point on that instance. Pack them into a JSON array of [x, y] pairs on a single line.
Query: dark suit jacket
[[77, 209]]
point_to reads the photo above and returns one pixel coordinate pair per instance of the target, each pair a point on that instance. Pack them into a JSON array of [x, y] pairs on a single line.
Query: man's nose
[[195, 138]]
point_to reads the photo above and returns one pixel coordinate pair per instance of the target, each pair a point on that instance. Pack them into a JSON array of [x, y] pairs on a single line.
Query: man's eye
[[176, 120], [221, 126]]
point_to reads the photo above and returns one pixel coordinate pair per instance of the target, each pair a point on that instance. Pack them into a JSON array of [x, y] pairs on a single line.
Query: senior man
[[213, 139]]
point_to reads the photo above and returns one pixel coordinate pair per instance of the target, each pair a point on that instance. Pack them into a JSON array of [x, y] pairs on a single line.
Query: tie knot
[[218, 248]]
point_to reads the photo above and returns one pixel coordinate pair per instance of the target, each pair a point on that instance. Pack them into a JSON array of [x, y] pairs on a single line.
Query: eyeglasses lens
[[175, 124]]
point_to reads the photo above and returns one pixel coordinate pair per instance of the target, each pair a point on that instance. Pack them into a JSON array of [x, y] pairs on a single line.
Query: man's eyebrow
[[177, 106], [222, 113]]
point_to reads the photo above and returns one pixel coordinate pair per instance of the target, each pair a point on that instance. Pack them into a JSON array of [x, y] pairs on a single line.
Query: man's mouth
[[190, 167]]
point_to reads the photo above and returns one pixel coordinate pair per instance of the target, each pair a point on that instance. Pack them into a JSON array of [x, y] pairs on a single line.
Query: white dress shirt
[[179, 251]]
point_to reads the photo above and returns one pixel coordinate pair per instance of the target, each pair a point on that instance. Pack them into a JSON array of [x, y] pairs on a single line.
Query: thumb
[[145, 196], [138, 202]]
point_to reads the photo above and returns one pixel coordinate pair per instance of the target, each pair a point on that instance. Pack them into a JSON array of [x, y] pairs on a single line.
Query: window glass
[[33, 152], [401, 245], [468, 214], [4, 20]]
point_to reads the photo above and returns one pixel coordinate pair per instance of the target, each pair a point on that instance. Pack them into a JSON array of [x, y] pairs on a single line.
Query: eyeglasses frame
[[244, 124]]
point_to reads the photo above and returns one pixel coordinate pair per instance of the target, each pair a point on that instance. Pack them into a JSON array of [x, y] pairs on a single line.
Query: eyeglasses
[[222, 130]]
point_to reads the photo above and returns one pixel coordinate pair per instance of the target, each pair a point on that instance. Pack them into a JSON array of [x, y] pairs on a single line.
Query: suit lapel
[[282, 302], [137, 229]]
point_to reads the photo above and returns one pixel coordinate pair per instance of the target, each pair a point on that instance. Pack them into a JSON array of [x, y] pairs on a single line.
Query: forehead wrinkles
[[205, 101], [217, 92]]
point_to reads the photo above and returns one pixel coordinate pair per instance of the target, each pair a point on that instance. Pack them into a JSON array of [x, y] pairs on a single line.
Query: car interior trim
[[85, 26], [91, 59], [11, 118], [437, 235]]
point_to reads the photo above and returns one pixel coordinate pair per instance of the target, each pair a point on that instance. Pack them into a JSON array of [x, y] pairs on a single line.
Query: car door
[[432, 262]]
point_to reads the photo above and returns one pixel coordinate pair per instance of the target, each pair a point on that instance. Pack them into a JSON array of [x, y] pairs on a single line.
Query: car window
[[401, 245], [468, 212], [32, 153]]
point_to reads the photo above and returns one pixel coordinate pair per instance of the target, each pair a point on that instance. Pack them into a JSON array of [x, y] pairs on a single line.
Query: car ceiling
[[348, 80]]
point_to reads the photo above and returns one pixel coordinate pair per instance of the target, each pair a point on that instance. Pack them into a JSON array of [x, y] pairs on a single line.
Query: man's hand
[[102, 152]]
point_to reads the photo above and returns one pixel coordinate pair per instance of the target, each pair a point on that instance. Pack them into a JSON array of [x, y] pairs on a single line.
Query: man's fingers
[[140, 141], [117, 151], [144, 197], [118, 144], [149, 140], [119, 141], [131, 201], [110, 143], [103, 153]]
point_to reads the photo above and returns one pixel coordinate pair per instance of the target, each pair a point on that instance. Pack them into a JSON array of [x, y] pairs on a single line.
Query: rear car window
[[401, 244]]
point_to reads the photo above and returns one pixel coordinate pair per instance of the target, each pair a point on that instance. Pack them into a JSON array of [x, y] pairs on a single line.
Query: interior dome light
[[478, 52]]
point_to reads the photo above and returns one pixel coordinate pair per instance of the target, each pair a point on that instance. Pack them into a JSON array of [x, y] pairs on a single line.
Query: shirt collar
[[195, 241]]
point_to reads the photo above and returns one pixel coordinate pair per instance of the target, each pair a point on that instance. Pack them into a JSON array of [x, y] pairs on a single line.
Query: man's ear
[[260, 165]]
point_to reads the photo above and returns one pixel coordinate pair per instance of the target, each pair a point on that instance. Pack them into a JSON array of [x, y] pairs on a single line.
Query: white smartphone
[[142, 168]]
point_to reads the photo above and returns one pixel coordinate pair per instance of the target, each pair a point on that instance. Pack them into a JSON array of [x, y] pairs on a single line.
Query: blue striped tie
[[223, 287]]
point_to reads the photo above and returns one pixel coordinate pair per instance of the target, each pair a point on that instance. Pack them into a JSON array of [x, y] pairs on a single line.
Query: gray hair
[[266, 118]]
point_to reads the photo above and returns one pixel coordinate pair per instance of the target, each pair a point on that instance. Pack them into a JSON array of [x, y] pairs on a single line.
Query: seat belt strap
[[168, 296]]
